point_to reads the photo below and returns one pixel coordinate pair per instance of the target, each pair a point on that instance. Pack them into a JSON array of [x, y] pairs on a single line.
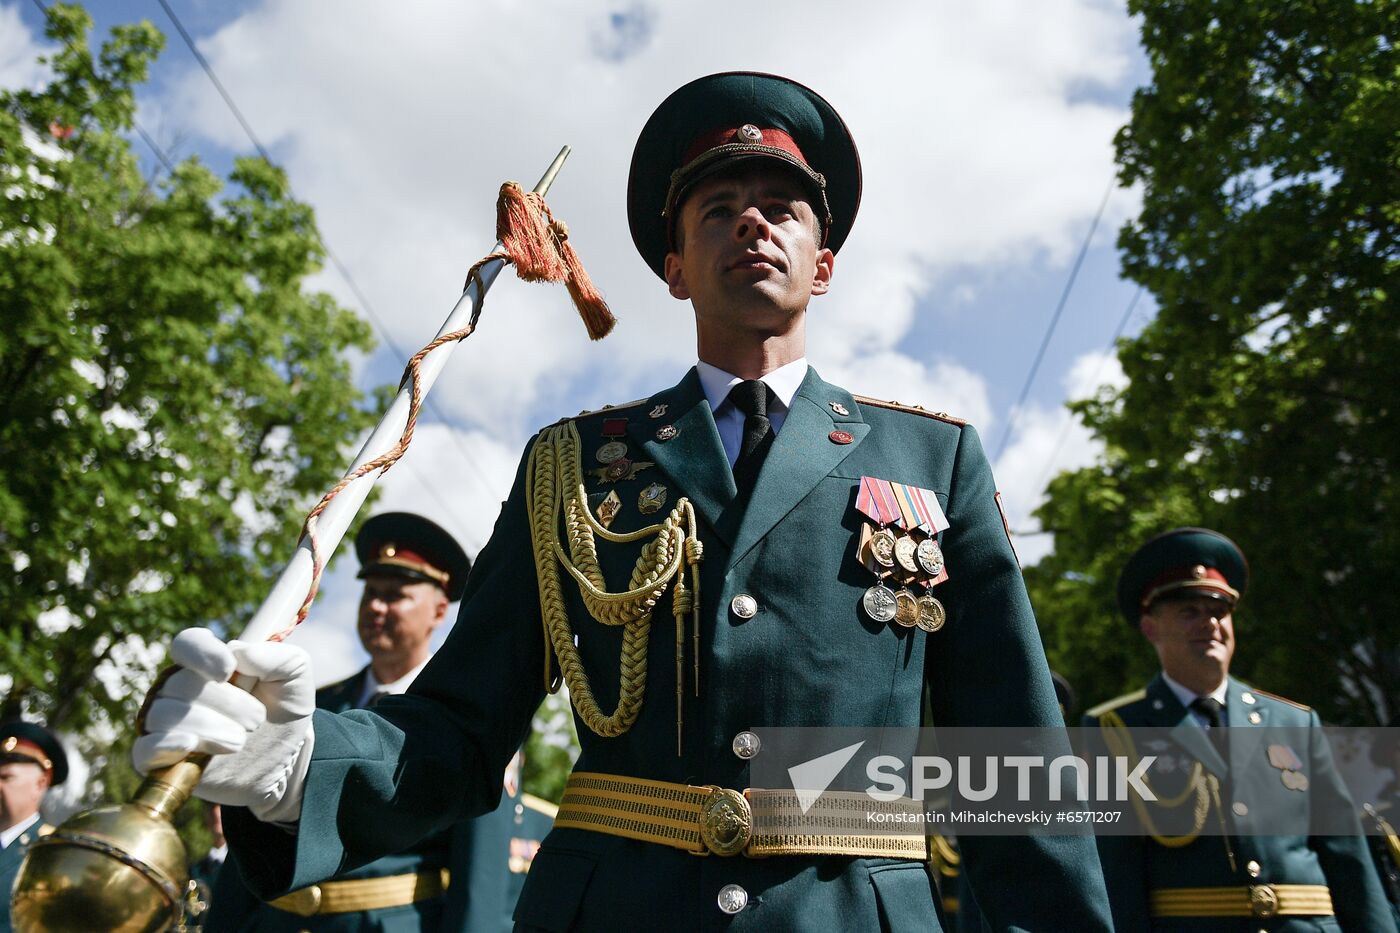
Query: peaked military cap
[[402, 544], [31, 742], [720, 119], [1183, 559]]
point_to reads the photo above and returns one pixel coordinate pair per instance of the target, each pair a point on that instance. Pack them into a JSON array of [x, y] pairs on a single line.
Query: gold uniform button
[[744, 606], [1240, 808], [1252, 868], [733, 898], [746, 745]]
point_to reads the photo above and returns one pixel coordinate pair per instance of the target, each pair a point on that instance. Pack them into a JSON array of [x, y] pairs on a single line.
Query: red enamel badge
[[840, 437]]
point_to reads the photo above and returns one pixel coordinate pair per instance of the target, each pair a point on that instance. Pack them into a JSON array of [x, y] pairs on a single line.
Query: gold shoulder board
[[1274, 696], [1116, 702], [911, 409]]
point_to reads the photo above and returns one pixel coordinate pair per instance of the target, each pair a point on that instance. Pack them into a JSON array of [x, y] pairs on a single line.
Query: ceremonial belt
[[1255, 900], [714, 820], [356, 894]]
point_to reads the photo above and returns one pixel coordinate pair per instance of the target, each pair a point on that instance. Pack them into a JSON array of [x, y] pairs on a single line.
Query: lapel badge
[[1254, 717], [651, 499], [1247, 697], [840, 437], [839, 409], [607, 507], [666, 432], [657, 412]]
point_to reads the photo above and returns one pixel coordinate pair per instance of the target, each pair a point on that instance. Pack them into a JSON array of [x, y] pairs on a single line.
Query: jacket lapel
[[1185, 730], [1244, 739], [802, 454], [694, 458]]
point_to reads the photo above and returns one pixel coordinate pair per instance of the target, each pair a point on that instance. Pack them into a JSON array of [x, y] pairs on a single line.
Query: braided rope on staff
[[537, 246]]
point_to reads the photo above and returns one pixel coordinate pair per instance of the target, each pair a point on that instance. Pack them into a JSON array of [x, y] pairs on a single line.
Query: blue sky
[[985, 132]]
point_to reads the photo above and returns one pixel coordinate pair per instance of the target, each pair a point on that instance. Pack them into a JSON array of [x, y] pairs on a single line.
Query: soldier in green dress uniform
[[31, 761], [694, 565], [1180, 590]]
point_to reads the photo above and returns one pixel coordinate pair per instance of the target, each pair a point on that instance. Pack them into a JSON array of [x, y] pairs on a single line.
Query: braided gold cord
[[553, 466], [1119, 742]]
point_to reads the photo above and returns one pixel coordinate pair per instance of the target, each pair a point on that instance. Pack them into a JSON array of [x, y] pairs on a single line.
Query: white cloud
[[19, 52], [1047, 441], [979, 145]]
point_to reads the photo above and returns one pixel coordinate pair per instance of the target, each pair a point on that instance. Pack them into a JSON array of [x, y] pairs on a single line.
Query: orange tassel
[[538, 246]]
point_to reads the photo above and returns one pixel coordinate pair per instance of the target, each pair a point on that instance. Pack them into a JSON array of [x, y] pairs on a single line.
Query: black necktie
[[1210, 709], [752, 397]]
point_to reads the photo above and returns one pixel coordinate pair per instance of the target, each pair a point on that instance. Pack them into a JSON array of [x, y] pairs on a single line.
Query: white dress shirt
[[8, 836], [374, 688], [1187, 697], [784, 381]]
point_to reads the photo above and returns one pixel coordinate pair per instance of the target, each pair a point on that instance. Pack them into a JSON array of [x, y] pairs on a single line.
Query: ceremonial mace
[[123, 868]]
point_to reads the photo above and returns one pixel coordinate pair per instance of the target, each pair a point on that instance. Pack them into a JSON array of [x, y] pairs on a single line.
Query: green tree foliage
[[1262, 398], [171, 398]]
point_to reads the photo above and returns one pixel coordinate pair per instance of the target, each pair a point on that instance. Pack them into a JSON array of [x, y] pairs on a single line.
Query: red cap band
[[1190, 576], [746, 135], [14, 745]]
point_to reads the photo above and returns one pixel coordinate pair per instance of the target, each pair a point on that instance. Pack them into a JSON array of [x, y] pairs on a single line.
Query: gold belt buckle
[[1263, 901], [726, 821], [304, 902]]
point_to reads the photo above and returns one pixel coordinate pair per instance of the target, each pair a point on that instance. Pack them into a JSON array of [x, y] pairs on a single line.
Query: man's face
[[398, 617], [22, 787], [1194, 634], [748, 255]]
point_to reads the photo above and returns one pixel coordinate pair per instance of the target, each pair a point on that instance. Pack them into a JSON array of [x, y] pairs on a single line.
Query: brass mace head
[[116, 868]]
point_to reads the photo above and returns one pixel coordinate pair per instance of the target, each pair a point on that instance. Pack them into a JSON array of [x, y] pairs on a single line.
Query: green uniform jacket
[[809, 657], [476, 853], [1136, 865], [10, 858]]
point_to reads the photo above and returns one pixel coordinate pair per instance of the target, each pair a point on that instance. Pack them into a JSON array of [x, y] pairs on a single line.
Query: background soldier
[[31, 761], [732, 500], [455, 880], [1180, 590]]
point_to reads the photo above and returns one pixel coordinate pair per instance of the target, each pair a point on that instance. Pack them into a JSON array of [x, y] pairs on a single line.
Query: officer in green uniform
[[1180, 590], [455, 880], [697, 565], [31, 761]]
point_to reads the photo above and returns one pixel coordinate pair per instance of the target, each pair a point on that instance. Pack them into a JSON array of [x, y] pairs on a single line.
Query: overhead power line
[[1098, 374], [1054, 320], [375, 320]]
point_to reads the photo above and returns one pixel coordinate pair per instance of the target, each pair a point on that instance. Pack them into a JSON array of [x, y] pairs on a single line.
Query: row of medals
[[908, 558]]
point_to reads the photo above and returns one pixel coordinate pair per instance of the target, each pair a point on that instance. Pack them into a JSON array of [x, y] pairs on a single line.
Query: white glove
[[261, 739]]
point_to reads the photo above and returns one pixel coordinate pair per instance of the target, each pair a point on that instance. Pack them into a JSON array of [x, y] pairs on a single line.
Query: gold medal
[[931, 613], [882, 547], [904, 553], [879, 603], [651, 499], [930, 557], [611, 452], [906, 609]]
